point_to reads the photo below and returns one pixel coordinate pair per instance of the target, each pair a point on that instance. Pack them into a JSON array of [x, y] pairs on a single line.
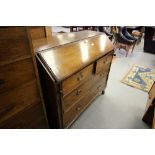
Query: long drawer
[[15, 74], [18, 99], [78, 93], [79, 107], [32, 117], [72, 82], [104, 63], [13, 44]]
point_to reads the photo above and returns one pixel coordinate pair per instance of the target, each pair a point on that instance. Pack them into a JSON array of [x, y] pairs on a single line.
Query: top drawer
[[75, 80], [103, 64]]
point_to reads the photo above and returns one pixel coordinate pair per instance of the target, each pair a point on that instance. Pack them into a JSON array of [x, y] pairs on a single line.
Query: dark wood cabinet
[[149, 42], [73, 70], [21, 104]]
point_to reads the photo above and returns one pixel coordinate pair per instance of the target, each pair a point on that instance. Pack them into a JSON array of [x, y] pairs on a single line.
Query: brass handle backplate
[[80, 77], [78, 92]]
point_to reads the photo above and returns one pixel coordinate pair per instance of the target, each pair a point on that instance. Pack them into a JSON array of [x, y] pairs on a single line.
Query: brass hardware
[[78, 108], [80, 77], [101, 74], [78, 92]]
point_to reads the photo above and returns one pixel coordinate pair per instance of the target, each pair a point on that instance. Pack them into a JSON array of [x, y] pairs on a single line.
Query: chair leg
[[127, 48], [133, 47]]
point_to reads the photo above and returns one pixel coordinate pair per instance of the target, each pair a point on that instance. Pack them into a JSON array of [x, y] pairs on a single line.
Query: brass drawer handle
[[78, 92], [80, 77], [2, 81], [101, 74], [106, 61], [6, 109], [78, 109]]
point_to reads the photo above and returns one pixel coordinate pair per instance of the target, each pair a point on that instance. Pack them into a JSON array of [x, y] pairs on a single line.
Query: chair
[[137, 32], [124, 40]]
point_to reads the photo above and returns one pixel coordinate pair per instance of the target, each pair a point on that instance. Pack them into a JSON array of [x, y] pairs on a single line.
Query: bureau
[[21, 104], [73, 72]]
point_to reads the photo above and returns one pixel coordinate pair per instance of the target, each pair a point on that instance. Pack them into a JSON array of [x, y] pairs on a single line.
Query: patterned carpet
[[140, 77]]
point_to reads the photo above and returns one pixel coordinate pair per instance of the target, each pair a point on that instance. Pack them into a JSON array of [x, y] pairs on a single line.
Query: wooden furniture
[[62, 39], [20, 95], [149, 115], [149, 40], [73, 72]]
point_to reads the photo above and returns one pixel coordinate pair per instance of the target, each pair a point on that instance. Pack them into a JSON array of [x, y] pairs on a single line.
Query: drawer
[[75, 80], [32, 117], [80, 106], [18, 99], [77, 94], [16, 74], [13, 46], [104, 63]]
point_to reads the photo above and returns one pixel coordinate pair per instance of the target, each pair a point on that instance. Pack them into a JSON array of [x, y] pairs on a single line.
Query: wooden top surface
[[61, 39], [65, 60]]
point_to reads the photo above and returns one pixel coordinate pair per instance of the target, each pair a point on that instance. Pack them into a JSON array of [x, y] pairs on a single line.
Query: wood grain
[[61, 60]]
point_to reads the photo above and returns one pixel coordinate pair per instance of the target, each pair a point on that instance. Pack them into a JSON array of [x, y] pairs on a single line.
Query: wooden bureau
[[73, 70], [21, 105]]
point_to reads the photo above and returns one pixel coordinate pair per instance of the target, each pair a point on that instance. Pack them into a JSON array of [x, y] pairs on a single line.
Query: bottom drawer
[[31, 118], [79, 107]]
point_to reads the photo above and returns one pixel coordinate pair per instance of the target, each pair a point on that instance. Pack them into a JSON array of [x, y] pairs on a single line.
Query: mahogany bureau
[[73, 72], [21, 105]]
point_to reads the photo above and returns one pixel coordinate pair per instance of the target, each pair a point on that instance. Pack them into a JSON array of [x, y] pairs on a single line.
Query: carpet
[[140, 77]]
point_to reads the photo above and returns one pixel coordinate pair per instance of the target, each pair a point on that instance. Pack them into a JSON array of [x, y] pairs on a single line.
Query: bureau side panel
[[51, 96]]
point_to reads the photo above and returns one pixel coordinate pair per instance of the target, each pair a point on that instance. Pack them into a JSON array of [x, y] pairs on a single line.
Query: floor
[[122, 106]]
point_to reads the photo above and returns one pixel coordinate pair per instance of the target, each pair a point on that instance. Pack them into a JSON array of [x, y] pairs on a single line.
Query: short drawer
[[12, 102], [32, 117], [104, 63], [13, 46], [80, 106], [16, 74], [72, 82]]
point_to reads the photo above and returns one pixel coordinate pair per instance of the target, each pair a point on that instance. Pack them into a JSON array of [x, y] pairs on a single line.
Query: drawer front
[[18, 99], [103, 64], [32, 117], [74, 96], [77, 94], [16, 74], [79, 107], [13, 46], [75, 80]]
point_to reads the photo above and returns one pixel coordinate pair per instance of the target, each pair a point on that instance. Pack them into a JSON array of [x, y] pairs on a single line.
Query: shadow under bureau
[[72, 75]]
